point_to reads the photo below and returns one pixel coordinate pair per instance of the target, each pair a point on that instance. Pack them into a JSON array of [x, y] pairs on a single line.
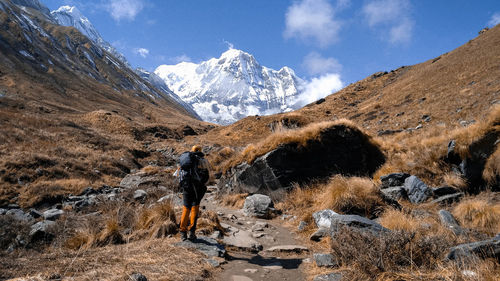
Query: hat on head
[[196, 148]]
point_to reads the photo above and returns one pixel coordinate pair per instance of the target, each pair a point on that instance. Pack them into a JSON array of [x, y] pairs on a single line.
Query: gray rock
[[175, 198], [243, 241], [329, 277], [19, 214], [41, 231], [394, 179], [135, 276], [484, 249], [448, 199], [212, 262], [140, 195], [3, 211], [216, 235], [449, 221], [302, 225], [205, 245], [52, 214], [139, 180], [288, 249], [258, 205], [417, 190], [319, 234], [443, 190], [323, 218], [325, 260], [13, 206], [395, 193], [355, 222], [35, 214]]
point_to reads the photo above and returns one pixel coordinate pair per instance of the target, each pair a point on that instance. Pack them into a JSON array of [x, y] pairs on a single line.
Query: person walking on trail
[[193, 173]]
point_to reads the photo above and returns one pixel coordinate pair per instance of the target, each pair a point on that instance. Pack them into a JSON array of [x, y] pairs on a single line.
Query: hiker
[[193, 173]]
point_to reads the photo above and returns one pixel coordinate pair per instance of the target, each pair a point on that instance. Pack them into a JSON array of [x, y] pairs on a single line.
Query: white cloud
[[124, 9], [495, 19], [320, 87], [143, 52], [229, 45], [391, 18], [313, 20], [316, 64], [181, 58]]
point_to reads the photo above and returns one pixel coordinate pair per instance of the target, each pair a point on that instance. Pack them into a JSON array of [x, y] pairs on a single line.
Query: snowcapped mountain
[[231, 87], [71, 16]]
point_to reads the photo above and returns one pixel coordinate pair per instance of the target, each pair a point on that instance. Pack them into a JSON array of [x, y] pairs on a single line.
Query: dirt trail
[[248, 244]]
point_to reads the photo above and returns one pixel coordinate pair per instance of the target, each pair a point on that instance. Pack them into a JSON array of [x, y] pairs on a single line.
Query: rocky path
[[257, 249]]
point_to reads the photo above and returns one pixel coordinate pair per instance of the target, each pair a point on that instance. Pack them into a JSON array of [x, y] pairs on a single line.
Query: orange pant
[[189, 215]]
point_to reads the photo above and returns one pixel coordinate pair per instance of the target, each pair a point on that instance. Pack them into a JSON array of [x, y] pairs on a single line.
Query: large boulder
[[356, 223], [339, 149], [258, 205], [323, 218]]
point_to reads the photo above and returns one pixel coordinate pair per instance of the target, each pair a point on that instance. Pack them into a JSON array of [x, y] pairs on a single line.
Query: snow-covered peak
[[235, 85], [71, 16]]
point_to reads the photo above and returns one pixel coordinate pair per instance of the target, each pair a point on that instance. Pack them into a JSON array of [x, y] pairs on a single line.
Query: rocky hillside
[[72, 114]]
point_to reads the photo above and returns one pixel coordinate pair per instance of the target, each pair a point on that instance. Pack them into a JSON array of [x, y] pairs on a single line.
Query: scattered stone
[[258, 205], [329, 277], [19, 215], [138, 180], [319, 234], [216, 235], [288, 249], [306, 260], [135, 276], [355, 222], [325, 260], [212, 262], [420, 126], [394, 179], [140, 195], [243, 241], [417, 190], [241, 278], [273, 266], [251, 270], [484, 249], [395, 193], [205, 245], [231, 217], [302, 225], [443, 190], [448, 199], [388, 132], [258, 235], [3, 211], [41, 231], [13, 206], [175, 198], [323, 218], [259, 226], [449, 221], [35, 214], [52, 214]]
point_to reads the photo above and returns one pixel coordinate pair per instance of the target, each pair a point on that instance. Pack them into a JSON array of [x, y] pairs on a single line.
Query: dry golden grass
[[157, 215], [454, 180], [235, 201], [157, 259], [491, 171], [44, 191], [345, 195], [208, 222], [479, 214]]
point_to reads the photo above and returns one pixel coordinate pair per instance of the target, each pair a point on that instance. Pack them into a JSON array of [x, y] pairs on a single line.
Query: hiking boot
[[191, 236], [184, 236]]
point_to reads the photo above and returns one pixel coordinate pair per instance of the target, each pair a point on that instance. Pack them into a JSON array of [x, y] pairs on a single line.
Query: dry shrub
[[352, 195], [110, 234], [220, 157], [491, 171], [51, 191], [479, 214], [452, 179], [235, 201], [151, 170], [208, 222], [371, 255], [399, 221], [155, 219]]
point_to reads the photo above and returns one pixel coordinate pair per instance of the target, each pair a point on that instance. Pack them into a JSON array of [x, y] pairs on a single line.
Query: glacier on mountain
[[232, 87]]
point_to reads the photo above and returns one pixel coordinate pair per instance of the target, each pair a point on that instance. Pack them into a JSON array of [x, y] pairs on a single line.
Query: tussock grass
[[51, 191], [342, 194], [479, 214], [154, 217], [235, 201], [208, 222], [454, 180]]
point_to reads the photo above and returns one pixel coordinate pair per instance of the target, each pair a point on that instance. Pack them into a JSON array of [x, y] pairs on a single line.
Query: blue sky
[[347, 38]]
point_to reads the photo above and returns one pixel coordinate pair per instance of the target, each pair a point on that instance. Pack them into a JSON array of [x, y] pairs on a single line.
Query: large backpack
[[188, 161]]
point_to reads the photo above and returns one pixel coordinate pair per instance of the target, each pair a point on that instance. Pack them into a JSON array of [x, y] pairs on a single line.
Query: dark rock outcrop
[[484, 249], [394, 179], [339, 149]]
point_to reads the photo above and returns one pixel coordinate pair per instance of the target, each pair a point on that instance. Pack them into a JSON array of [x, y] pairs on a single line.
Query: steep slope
[[450, 91], [231, 87], [71, 114], [71, 16]]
